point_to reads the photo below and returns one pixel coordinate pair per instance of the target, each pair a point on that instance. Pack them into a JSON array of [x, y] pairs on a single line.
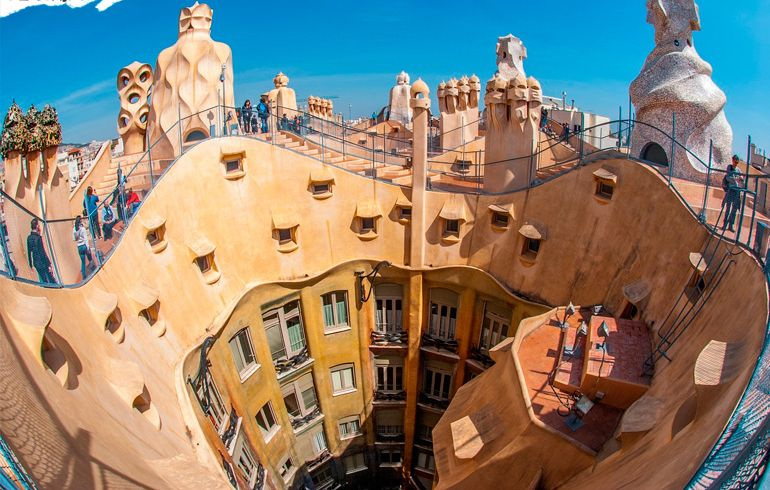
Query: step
[[569, 372]]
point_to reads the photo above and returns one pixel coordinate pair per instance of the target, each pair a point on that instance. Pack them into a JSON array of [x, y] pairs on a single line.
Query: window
[[151, 313], [437, 383], [243, 353], [388, 299], [343, 379], [266, 420], [204, 263], [335, 309], [349, 427], [405, 213], [696, 286], [390, 457], [424, 460], [321, 188], [284, 235], [451, 227], [424, 432], [245, 461], [500, 219], [113, 325], [234, 165], [389, 423], [604, 189], [299, 396], [217, 413], [155, 237], [389, 374], [284, 330], [368, 225], [494, 329], [322, 477], [354, 462], [287, 469], [443, 314], [531, 248], [319, 442]]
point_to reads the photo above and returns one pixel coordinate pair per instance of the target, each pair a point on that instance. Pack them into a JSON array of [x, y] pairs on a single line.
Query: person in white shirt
[[81, 240]]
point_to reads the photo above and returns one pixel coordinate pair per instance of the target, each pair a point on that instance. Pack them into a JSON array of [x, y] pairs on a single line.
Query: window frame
[[393, 373], [314, 441], [452, 227], [336, 324], [347, 424], [343, 389], [488, 338], [287, 469], [433, 378], [247, 368], [353, 458], [282, 317], [390, 451], [240, 449], [216, 404], [381, 310], [442, 326], [294, 387], [604, 189], [267, 432]]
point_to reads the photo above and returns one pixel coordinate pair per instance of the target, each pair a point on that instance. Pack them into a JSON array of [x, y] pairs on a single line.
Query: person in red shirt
[[132, 202]]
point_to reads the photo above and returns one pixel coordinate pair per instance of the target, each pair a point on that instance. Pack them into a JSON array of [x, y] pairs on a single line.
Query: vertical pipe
[[673, 147], [582, 136], [47, 232], [179, 122], [323, 146], [748, 163], [703, 216]]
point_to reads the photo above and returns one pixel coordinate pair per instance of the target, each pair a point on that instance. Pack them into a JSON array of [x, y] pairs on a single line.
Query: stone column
[[414, 327], [420, 103]]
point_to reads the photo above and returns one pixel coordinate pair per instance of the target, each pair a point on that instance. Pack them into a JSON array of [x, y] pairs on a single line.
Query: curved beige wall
[[591, 252]]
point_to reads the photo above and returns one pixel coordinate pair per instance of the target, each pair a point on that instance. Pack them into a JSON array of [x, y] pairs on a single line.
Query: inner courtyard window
[[284, 330]]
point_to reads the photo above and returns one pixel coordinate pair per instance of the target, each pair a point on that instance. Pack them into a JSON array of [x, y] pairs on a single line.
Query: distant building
[[599, 132]]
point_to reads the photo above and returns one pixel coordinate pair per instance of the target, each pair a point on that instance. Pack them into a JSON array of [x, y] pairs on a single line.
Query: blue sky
[[70, 57]]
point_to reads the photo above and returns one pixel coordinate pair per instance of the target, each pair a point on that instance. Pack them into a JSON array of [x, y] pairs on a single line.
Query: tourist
[[81, 241], [90, 205], [36, 255], [108, 221], [374, 118], [731, 184], [543, 118], [284, 122], [566, 132], [132, 202], [263, 111], [246, 113]]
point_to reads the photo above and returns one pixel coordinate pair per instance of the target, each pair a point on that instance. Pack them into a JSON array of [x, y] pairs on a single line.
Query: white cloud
[[8, 7]]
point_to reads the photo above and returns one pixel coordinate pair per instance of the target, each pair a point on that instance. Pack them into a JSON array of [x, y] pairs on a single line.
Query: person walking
[[81, 241], [566, 132], [731, 184], [36, 255], [90, 203], [263, 111], [246, 114]]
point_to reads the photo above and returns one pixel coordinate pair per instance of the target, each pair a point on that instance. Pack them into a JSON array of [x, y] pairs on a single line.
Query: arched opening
[[195, 135], [653, 152]]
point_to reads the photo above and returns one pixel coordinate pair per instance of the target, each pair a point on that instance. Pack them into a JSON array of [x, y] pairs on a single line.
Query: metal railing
[[739, 458]]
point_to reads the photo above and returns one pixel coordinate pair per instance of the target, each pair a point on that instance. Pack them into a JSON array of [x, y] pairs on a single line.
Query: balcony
[[299, 422], [445, 347], [384, 339], [481, 356], [389, 396], [433, 402], [318, 461], [390, 437], [259, 483], [229, 434], [284, 366]]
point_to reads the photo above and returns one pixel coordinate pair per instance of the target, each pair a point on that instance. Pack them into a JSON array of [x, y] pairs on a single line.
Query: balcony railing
[[389, 396], [481, 356], [232, 428], [285, 365], [319, 460], [297, 422], [389, 437], [388, 338], [433, 401], [429, 340]]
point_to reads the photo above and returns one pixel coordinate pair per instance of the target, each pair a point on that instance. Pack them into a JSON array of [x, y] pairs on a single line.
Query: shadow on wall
[[53, 457]]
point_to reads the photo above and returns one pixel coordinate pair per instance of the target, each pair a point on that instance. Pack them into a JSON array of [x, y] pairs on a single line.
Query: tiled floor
[[538, 355]]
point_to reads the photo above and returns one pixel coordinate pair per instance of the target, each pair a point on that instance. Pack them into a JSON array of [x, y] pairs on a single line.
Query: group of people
[[254, 121], [294, 124]]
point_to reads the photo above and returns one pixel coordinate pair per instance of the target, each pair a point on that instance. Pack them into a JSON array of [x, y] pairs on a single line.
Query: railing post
[[47, 232], [343, 137], [748, 163], [673, 147], [478, 171], [582, 137], [6, 255], [152, 175], [703, 216], [322, 141]]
